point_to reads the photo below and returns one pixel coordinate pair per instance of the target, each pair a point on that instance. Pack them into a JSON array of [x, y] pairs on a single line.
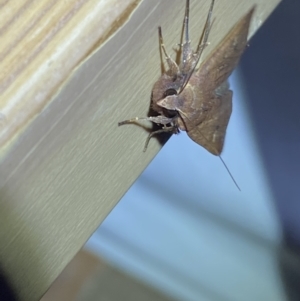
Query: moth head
[[165, 88], [171, 102]]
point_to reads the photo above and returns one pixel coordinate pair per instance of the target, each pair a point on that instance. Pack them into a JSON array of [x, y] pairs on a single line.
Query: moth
[[198, 100]]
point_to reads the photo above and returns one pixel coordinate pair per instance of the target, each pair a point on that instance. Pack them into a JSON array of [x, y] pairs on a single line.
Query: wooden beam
[[70, 70]]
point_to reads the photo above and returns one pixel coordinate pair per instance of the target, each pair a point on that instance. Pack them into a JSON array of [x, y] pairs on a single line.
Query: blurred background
[[183, 231]]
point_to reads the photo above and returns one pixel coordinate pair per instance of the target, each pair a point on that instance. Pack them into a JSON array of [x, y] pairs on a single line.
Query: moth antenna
[[223, 162], [174, 69], [205, 33], [202, 42]]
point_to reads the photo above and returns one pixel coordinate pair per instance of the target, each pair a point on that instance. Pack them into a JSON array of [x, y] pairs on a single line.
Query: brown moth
[[198, 101]]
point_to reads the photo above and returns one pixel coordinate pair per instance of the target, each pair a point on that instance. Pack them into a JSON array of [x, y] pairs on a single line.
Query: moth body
[[198, 101]]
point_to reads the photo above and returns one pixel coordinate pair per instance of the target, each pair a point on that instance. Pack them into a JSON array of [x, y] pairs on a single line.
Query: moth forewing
[[213, 75], [210, 133], [216, 69]]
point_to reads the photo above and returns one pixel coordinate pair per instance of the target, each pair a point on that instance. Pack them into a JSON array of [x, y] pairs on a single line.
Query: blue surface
[[184, 226]]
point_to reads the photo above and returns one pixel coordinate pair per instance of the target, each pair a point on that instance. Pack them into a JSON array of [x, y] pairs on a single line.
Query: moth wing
[[211, 132], [216, 69], [212, 80]]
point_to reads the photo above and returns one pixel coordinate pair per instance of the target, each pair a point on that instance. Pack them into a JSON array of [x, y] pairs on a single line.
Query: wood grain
[[64, 161], [42, 42]]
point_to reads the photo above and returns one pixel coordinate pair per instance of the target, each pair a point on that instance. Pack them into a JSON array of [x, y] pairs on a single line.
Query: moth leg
[[186, 46], [190, 58], [174, 69], [165, 129], [204, 37], [156, 119]]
